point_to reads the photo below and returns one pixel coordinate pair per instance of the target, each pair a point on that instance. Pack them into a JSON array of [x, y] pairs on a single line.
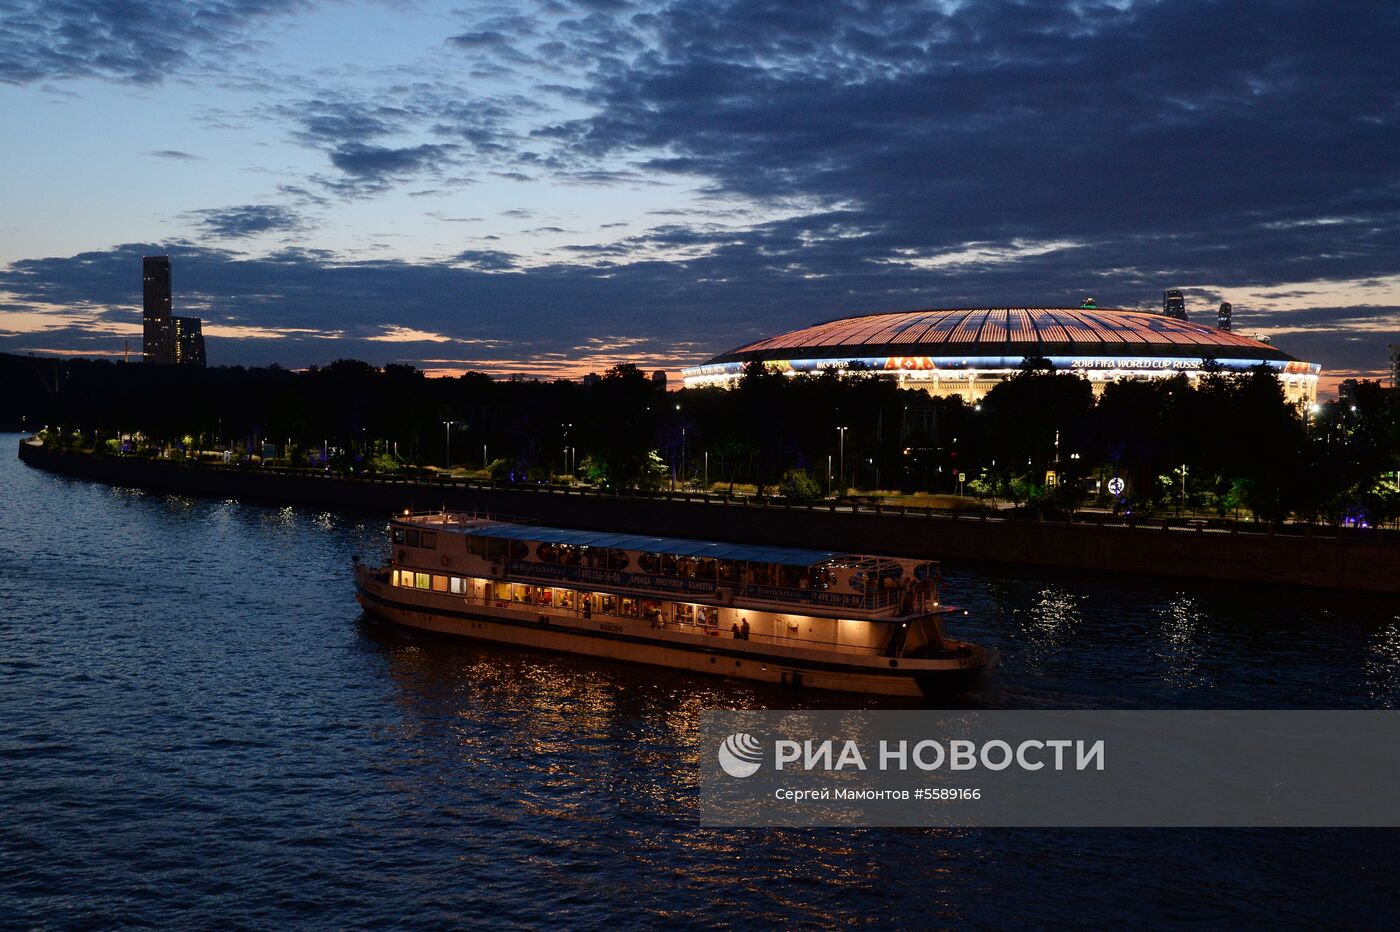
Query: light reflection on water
[[1383, 665], [196, 722], [1182, 648]]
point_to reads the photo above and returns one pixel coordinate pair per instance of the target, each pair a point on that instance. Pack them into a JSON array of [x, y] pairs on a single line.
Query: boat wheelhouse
[[811, 618]]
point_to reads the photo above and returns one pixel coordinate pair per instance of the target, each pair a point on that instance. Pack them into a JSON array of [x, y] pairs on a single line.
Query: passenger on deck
[[744, 630], [736, 631]]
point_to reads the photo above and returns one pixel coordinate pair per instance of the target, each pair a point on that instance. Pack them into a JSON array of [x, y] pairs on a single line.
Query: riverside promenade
[[1355, 559]]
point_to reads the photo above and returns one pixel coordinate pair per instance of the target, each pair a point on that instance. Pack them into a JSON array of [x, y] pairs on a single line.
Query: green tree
[[798, 486]]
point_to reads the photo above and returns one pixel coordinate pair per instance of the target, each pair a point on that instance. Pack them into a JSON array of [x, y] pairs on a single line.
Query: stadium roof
[[1000, 331]]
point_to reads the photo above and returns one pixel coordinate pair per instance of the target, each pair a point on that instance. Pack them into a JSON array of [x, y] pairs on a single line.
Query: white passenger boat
[[801, 618]]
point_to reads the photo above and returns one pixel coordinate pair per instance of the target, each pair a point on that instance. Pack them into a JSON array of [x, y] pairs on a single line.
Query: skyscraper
[[1174, 304], [189, 341], [1222, 318], [1395, 365], [157, 331]]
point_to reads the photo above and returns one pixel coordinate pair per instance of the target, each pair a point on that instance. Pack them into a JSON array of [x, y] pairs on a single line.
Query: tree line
[[1042, 440]]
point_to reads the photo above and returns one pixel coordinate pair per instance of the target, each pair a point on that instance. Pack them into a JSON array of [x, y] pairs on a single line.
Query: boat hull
[[633, 641]]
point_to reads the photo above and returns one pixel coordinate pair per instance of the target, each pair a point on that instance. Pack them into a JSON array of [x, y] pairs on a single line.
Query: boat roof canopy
[[677, 546]]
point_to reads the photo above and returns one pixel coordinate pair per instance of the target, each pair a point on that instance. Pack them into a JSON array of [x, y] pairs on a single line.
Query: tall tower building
[[189, 341], [157, 331], [1395, 365], [1174, 304], [1222, 318]]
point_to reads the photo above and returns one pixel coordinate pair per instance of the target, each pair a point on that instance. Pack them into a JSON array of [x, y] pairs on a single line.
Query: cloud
[[143, 43], [379, 162], [488, 260], [246, 220], [300, 306], [373, 138], [370, 169], [173, 154], [843, 156], [930, 127]]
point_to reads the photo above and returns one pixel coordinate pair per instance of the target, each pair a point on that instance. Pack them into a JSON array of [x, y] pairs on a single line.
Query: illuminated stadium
[[968, 351]]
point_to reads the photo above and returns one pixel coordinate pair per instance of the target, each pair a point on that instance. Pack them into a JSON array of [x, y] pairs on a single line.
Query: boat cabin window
[[398, 535], [519, 550], [430, 540], [492, 548], [439, 583], [422, 580], [410, 537], [683, 613], [458, 585]]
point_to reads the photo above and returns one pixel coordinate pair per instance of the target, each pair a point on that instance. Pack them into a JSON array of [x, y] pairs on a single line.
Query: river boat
[[802, 618]]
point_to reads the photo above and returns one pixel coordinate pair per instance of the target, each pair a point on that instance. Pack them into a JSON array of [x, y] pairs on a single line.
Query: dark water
[[198, 728]]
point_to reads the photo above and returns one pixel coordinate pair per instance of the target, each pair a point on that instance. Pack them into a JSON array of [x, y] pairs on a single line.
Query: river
[[198, 727]]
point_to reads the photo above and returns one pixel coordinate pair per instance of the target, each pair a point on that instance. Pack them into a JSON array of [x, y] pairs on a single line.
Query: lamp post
[[447, 456], [707, 470], [841, 431]]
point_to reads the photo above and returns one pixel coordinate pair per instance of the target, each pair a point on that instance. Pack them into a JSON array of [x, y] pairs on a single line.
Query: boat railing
[[872, 601], [465, 518]]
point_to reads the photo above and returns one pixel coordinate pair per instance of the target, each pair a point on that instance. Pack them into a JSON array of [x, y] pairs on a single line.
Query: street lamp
[[841, 431], [447, 456]]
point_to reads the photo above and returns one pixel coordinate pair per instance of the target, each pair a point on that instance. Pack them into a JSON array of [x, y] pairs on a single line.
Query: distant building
[[157, 331], [658, 378], [592, 378], [166, 340], [1222, 317], [1395, 365], [189, 341], [968, 352], [1174, 304]]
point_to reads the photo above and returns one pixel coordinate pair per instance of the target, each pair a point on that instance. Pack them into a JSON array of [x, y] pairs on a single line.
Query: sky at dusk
[[555, 187]]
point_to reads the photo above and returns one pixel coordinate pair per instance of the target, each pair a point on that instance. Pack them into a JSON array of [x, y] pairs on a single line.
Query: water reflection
[[272, 759], [1383, 665], [1181, 648], [553, 753]]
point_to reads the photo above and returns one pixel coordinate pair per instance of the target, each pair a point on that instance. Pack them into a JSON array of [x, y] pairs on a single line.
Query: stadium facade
[[968, 351]]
